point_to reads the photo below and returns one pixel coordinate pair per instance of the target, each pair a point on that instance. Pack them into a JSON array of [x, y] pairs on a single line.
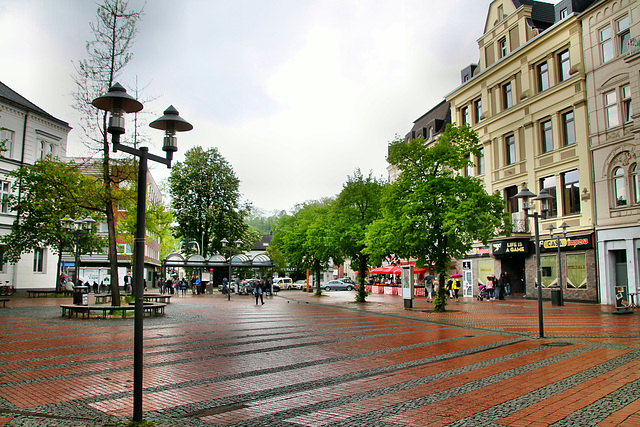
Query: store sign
[[481, 251], [505, 247], [568, 243]]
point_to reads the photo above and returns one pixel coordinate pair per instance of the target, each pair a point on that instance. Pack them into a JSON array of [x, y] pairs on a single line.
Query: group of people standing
[[175, 286], [496, 288]]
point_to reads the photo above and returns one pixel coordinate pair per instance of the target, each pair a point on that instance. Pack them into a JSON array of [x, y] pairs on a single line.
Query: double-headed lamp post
[[564, 227], [224, 245], [544, 197], [77, 227], [117, 102]]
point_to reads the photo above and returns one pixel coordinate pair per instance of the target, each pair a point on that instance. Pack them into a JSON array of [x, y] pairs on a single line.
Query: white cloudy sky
[[296, 94]]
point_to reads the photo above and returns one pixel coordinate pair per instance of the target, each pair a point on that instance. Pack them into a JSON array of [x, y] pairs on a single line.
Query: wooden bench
[[101, 299], [4, 301], [70, 309], [157, 298], [37, 292]]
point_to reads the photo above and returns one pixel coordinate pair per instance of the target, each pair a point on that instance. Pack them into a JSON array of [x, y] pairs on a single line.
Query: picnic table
[[157, 298]]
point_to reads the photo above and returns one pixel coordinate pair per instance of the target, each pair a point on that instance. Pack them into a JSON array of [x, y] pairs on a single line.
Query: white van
[[283, 282]]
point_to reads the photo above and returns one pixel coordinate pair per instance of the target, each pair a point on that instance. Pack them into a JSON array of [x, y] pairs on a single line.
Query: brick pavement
[[301, 360]]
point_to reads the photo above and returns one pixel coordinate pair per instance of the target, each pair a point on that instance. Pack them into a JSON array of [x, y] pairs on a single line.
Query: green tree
[[108, 54], [206, 201], [355, 208], [432, 212], [305, 238], [46, 192]]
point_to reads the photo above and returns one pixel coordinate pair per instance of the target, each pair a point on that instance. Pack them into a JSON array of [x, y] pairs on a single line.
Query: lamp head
[[551, 227], [66, 222], [117, 102], [525, 195], [239, 243], [564, 227], [224, 242], [171, 122]]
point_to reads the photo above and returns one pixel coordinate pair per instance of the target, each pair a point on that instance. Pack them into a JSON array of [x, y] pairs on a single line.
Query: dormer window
[[500, 13]]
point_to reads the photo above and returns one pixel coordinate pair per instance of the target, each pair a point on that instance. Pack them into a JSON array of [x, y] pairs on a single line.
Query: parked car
[[347, 280], [300, 284], [283, 282], [337, 285]]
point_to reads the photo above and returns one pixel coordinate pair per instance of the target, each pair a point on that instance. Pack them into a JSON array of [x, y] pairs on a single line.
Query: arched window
[[635, 184], [619, 187]]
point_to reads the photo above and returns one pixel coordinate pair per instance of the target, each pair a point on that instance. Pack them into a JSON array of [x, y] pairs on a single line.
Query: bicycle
[[7, 289]]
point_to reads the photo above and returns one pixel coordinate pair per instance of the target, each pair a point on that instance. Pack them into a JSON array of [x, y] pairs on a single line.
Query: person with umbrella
[[428, 287], [455, 286]]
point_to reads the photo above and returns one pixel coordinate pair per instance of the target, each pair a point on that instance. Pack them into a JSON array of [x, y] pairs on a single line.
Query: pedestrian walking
[[455, 286], [259, 291], [198, 285], [428, 287]]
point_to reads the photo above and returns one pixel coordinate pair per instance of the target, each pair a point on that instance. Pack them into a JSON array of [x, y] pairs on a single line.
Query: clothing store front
[[510, 256]]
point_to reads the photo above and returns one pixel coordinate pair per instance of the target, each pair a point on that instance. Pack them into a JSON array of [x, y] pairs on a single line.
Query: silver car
[[337, 285]]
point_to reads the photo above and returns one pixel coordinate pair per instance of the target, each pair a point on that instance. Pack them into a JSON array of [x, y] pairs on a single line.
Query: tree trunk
[[362, 293]]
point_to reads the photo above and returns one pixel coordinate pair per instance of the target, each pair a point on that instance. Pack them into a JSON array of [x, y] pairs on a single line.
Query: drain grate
[[557, 344]]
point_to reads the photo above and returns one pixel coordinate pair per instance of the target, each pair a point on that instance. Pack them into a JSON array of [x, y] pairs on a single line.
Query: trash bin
[[77, 297], [210, 288], [556, 297]]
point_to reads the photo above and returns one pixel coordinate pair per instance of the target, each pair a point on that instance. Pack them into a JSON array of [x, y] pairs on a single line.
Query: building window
[[543, 77], [568, 129], [619, 187], [500, 13], [546, 133], [3, 264], [624, 36], [38, 260], [481, 162], [5, 192], [606, 44], [7, 138], [465, 116], [477, 107], [611, 109], [467, 167], [635, 184], [571, 192], [564, 13], [507, 100], [576, 271], [510, 143], [627, 108], [549, 184], [510, 198], [41, 150], [503, 47], [564, 65]]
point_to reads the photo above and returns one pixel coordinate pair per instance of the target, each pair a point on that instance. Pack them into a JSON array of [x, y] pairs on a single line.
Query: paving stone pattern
[[301, 360]]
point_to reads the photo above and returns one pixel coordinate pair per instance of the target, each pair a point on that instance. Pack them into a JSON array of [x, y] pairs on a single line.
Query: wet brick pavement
[[301, 360]]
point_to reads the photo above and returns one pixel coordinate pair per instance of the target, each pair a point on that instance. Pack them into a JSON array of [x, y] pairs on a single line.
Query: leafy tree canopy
[[432, 212], [44, 193], [206, 200], [355, 208]]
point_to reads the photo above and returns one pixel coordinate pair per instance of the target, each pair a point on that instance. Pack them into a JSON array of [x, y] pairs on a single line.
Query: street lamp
[[224, 244], [564, 227], [117, 102], [544, 197], [77, 227]]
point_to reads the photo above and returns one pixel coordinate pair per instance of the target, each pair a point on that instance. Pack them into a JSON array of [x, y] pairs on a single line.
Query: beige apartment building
[[611, 31], [527, 100]]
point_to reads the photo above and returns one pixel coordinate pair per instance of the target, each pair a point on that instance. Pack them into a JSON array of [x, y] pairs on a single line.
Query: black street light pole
[[118, 102], [544, 196], [564, 227], [77, 227]]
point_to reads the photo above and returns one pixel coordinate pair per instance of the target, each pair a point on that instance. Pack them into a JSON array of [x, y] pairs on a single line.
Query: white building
[[30, 134]]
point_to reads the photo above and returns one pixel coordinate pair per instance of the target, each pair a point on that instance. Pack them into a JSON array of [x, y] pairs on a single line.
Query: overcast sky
[[296, 94]]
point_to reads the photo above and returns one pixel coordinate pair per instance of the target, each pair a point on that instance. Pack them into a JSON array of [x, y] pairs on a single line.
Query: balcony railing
[[520, 222]]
